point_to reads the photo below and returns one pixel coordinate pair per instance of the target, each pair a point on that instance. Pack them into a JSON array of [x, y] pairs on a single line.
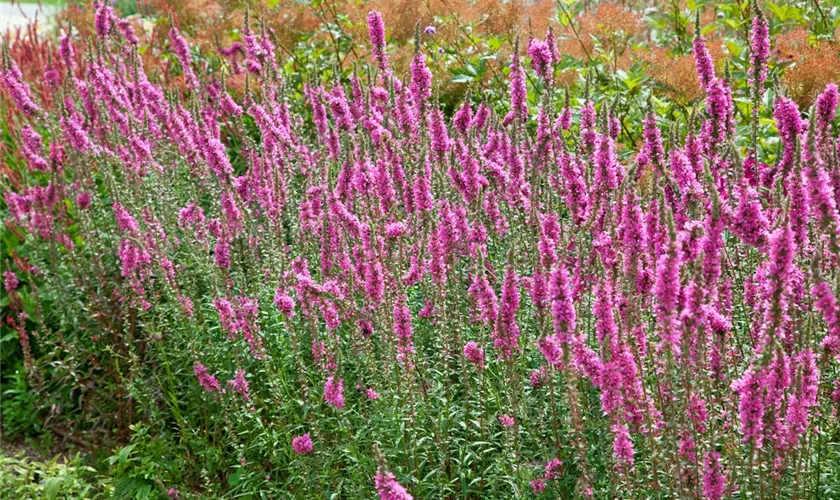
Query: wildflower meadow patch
[[340, 288]]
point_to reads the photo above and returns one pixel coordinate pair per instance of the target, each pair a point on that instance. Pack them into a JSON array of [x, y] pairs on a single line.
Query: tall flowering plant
[[662, 319]]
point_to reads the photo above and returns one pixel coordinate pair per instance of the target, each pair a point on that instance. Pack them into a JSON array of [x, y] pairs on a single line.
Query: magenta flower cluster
[[302, 444]]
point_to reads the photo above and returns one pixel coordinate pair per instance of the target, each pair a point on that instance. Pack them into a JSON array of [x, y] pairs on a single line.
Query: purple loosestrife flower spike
[[506, 421], [83, 200], [182, 50], [714, 479], [702, 58], [751, 405], [565, 119], [818, 190], [403, 330], [551, 350], [421, 81], [302, 444], [720, 110], [66, 51], [507, 337], [376, 30], [826, 107], [667, 291], [32, 149], [485, 298], [759, 52], [562, 305], [240, 385], [776, 282], [606, 330], [11, 79], [653, 142], [440, 136], [606, 164], [124, 219], [334, 392], [518, 92], [587, 126], [826, 303], [622, 445], [551, 42], [221, 254], [541, 59], [790, 125], [103, 18], [388, 488], [474, 353], [750, 224], [206, 380], [461, 122], [127, 31]]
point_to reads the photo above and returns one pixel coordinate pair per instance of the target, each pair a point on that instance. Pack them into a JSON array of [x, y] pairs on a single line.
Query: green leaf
[[734, 48], [494, 43], [122, 455], [777, 10], [51, 487], [732, 23], [784, 12], [462, 78], [131, 487]]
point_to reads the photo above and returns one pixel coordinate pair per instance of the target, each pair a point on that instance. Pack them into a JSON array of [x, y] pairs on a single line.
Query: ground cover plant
[[606, 265]]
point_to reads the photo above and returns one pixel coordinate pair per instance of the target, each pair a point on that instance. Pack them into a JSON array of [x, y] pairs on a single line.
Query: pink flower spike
[[302, 444]]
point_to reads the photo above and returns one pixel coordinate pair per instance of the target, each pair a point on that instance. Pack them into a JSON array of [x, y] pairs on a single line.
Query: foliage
[[204, 242], [26, 478]]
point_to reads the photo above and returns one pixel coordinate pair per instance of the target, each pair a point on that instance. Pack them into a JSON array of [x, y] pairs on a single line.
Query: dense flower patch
[[368, 295]]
